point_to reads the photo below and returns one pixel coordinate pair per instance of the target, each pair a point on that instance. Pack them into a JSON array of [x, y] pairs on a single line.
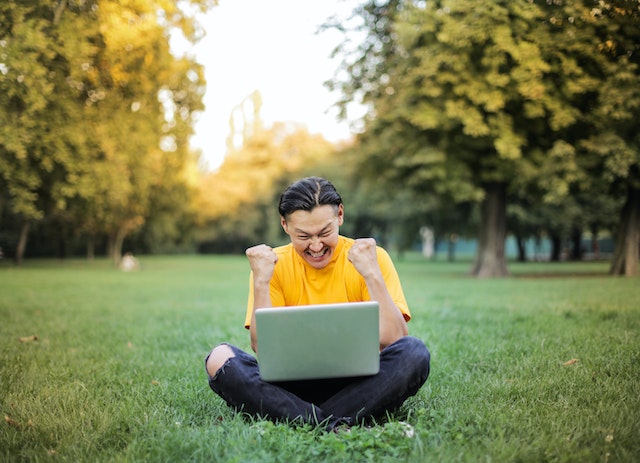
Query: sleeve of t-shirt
[[247, 318], [392, 281], [277, 297]]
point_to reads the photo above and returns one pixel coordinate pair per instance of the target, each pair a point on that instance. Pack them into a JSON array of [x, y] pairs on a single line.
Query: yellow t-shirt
[[294, 282]]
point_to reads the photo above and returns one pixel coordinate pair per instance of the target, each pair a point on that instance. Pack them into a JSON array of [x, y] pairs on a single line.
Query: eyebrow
[[302, 232]]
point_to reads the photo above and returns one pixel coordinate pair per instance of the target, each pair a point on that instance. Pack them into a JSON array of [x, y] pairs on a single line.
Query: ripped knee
[[217, 358]]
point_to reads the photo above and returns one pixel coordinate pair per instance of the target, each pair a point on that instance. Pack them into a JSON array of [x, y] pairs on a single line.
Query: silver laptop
[[318, 341]]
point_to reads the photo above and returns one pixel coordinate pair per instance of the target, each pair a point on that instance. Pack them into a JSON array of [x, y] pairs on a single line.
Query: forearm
[[392, 323], [262, 260], [261, 299]]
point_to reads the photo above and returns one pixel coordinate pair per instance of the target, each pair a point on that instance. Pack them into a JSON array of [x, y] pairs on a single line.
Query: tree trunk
[[627, 245], [62, 248], [522, 249], [556, 247], [451, 247], [577, 252], [118, 242], [491, 260], [22, 243], [110, 245], [91, 247], [595, 246]]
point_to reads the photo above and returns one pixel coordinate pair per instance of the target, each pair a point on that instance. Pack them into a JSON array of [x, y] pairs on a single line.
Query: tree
[[613, 149], [42, 148], [468, 101], [95, 106], [143, 123], [627, 239]]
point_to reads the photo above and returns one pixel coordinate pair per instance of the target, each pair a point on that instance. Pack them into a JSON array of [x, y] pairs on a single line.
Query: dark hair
[[306, 194]]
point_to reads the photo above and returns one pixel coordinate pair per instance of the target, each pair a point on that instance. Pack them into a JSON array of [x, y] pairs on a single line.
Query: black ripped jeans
[[404, 367]]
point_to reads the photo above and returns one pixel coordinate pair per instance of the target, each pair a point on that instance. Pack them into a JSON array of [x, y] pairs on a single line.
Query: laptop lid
[[318, 341]]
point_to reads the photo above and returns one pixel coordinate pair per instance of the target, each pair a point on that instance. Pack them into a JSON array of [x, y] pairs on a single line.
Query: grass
[[542, 366]]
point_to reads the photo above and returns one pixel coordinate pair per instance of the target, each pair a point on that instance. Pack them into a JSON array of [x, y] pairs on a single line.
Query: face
[[314, 235]]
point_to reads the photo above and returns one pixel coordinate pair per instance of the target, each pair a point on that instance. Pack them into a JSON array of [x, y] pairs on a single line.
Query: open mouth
[[317, 255]]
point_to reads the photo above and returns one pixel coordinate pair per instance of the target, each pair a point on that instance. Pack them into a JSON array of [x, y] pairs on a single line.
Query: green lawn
[[542, 366]]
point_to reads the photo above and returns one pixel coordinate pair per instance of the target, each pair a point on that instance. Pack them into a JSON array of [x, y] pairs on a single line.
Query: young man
[[321, 266]]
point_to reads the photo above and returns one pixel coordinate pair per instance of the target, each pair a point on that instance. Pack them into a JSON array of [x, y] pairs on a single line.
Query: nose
[[316, 244]]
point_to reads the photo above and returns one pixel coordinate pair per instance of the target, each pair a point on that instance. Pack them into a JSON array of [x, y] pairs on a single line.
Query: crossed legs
[[234, 376]]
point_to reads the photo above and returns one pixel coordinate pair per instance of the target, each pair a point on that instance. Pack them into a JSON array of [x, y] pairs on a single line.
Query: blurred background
[[500, 130]]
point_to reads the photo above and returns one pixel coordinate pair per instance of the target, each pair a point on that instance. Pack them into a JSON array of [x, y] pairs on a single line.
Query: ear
[[283, 222], [340, 214]]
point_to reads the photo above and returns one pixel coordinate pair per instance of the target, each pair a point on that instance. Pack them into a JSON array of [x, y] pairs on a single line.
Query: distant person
[[324, 267]]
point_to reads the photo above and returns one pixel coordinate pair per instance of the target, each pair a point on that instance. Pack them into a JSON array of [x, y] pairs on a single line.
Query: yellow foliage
[[126, 27], [254, 171]]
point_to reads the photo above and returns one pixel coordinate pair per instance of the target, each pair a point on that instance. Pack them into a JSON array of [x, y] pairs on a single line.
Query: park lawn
[[101, 365]]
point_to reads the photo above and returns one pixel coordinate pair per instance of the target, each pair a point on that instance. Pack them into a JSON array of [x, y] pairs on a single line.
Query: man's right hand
[[262, 260]]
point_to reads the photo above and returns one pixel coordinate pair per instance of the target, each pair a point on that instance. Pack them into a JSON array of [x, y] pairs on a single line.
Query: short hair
[[306, 194]]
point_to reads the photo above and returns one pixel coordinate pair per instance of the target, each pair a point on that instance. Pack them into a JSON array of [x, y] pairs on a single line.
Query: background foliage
[[515, 118]]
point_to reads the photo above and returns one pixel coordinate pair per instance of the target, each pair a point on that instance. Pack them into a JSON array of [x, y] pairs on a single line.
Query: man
[[321, 266]]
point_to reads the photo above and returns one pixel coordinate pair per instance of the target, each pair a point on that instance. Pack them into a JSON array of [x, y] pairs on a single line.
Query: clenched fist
[[262, 260], [363, 256]]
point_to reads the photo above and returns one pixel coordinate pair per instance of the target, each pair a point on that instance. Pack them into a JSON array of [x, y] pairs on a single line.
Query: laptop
[[318, 341]]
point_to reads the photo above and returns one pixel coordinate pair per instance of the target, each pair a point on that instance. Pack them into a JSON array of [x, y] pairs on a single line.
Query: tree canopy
[[488, 102], [96, 112], [510, 117]]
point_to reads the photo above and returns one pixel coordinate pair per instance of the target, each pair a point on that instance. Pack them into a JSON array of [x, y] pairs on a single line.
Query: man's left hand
[[364, 257]]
